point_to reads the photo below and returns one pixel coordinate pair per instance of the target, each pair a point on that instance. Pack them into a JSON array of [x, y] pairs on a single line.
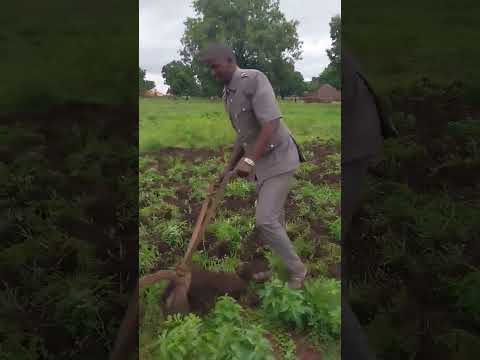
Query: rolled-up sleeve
[[264, 102]]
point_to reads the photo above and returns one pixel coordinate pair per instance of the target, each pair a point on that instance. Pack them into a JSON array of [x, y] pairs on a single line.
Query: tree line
[[261, 37]]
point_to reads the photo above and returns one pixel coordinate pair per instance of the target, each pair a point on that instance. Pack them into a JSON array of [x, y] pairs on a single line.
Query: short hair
[[217, 51]]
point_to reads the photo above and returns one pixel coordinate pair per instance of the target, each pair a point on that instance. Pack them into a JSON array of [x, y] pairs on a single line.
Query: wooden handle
[[156, 277], [205, 216]]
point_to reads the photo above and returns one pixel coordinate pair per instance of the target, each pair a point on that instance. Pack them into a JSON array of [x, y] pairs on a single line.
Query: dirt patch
[[235, 204], [277, 350], [190, 155], [247, 270], [306, 351], [218, 250], [207, 286]]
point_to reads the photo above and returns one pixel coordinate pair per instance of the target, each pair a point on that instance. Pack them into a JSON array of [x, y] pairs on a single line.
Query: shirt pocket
[[245, 120]]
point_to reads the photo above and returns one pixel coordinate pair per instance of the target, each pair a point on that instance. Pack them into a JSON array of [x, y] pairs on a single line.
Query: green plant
[[335, 229], [225, 264], [307, 168], [467, 293], [281, 303], [320, 200], [239, 188], [332, 163], [172, 232], [199, 187], [176, 170], [222, 335], [148, 256], [323, 298]]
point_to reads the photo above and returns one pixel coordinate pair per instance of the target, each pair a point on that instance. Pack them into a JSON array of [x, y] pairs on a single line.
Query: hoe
[[179, 279]]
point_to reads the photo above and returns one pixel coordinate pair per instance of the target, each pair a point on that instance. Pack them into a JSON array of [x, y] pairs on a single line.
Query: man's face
[[221, 70]]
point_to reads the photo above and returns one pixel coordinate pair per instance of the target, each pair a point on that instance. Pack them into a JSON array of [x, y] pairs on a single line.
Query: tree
[[180, 78], [332, 73], [329, 76], [143, 84], [335, 52], [256, 30]]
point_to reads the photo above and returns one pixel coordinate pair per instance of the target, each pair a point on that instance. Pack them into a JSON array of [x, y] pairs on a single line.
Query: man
[[263, 148], [363, 131]]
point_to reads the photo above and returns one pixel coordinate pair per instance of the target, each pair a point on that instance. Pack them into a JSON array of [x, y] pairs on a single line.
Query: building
[[152, 93], [325, 94]]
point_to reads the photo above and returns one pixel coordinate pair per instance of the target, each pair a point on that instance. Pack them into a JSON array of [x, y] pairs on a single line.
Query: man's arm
[[268, 129], [237, 154]]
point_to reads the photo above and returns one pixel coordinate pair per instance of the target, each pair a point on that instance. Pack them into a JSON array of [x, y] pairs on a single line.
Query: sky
[[161, 28]]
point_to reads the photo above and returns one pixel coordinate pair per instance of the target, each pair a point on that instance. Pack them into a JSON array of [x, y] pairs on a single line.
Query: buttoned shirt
[[250, 103]]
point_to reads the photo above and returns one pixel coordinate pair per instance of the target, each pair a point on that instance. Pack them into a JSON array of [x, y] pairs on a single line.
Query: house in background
[[325, 94], [152, 93]]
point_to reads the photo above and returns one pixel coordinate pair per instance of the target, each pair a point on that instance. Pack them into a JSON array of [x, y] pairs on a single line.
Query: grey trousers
[[270, 220], [354, 341]]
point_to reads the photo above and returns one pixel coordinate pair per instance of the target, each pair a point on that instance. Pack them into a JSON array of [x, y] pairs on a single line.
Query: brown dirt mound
[[207, 286], [305, 351]]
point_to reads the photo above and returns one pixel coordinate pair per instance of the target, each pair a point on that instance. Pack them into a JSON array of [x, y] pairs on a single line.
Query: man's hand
[[243, 169]]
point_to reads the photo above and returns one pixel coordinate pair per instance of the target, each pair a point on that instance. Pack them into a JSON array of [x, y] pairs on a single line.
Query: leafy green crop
[[147, 256], [323, 297], [284, 304], [317, 307], [239, 188], [223, 335]]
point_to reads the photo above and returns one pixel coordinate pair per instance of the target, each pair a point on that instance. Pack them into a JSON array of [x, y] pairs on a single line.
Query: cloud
[[162, 25]]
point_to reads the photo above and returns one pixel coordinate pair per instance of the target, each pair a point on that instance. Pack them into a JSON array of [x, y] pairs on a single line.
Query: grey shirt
[[361, 123], [250, 102]]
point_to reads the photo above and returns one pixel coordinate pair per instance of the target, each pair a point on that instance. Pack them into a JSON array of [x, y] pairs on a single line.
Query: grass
[[166, 223], [197, 123]]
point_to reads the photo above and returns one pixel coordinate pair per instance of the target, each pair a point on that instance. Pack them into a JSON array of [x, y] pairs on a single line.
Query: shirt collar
[[232, 85]]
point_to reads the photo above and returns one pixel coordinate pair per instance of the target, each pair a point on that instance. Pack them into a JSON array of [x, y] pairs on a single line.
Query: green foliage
[[467, 293], [284, 304], [143, 84], [239, 188], [172, 232], [323, 297], [318, 200], [317, 307], [161, 120], [148, 256], [199, 187], [329, 76], [226, 264], [264, 40], [335, 229], [306, 168], [208, 168], [151, 314], [176, 169], [223, 335], [335, 52], [180, 78]]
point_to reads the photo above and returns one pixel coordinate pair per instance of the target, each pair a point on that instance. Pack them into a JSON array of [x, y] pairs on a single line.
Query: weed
[[335, 229], [323, 297], [223, 335], [332, 164], [306, 169], [147, 256], [226, 264], [239, 188], [199, 187], [281, 303], [176, 170], [172, 232]]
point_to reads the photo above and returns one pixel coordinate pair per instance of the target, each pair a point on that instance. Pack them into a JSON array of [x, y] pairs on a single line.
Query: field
[[184, 145]]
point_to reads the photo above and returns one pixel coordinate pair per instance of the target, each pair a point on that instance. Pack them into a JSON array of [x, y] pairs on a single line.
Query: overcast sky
[[161, 27]]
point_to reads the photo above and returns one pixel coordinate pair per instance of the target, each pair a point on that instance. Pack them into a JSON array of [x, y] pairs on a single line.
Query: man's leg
[[354, 342], [272, 194]]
